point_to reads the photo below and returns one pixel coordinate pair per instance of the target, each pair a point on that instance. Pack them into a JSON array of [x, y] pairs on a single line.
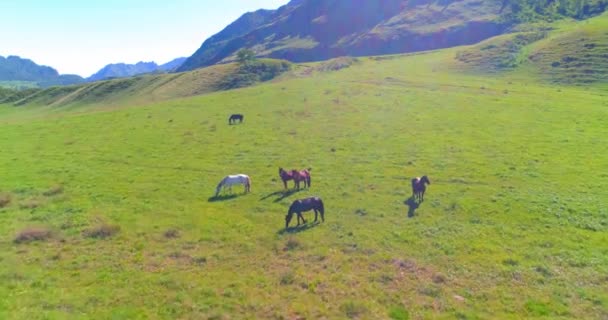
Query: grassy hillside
[[514, 224], [573, 53], [150, 88]]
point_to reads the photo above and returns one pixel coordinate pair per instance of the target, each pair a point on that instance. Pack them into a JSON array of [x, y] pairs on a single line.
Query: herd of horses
[[300, 206]]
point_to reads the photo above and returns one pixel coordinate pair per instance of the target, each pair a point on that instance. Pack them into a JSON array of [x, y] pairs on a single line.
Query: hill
[[123, 70], [151, 87], [312, 30], [571, 53], [18, 72]]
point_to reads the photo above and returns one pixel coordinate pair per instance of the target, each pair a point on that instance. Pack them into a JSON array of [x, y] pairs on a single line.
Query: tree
[[244, 56]]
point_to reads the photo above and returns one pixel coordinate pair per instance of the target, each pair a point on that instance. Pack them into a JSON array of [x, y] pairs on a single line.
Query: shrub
[[254, 71], [33, 234]]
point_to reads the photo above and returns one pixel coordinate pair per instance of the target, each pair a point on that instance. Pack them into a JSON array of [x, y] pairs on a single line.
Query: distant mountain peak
[[15, 68], [123, 70]]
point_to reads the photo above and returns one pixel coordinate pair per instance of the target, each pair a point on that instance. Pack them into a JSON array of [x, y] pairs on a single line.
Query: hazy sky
[[82, 36]]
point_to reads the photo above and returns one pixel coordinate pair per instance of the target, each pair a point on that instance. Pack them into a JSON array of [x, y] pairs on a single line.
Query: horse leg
[[316, 215], [285, 183]]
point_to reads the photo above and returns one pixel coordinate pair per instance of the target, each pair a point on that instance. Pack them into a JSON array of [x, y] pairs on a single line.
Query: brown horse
[[419, 187], [299, 176], [303, 205], [296, 176], [285, 176]]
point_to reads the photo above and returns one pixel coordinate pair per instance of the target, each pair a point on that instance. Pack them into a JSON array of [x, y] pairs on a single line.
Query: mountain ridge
[[123, 70], [15, 68], [314, 30]]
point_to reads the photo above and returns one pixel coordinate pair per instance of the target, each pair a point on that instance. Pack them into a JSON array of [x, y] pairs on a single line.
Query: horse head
[[425, 179], [288, 219]]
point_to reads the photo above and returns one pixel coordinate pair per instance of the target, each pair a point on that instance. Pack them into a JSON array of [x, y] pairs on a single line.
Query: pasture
[[514, 224]]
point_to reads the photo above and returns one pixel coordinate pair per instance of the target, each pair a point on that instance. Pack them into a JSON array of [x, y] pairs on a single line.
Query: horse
[[303, 205], [418, 187], [231, 180], [285, 176], [299, 176], [233, 118]]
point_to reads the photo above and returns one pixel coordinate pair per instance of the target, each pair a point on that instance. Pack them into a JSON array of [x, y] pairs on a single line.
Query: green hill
[[568, 52], [107, 209], [151, 88]]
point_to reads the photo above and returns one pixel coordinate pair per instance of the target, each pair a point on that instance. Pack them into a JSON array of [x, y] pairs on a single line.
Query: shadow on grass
[[281, 194], [413, 205], [223, 198], [298, 229]]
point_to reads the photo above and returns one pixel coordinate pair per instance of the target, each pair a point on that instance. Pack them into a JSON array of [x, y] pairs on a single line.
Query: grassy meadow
[[514, 224]]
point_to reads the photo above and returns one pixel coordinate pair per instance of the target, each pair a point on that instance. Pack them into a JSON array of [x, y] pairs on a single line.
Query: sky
[[82, 36]]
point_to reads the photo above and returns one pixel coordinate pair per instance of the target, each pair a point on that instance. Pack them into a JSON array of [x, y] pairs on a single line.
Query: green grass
[[513, 226]]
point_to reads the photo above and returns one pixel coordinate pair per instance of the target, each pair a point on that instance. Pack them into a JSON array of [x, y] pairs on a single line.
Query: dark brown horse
[[233, 118], [299, 176], [285, 176], [303, 205], [419, 187], [296, 176]]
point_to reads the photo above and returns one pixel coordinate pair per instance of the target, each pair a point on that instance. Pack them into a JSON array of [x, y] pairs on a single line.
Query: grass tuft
[[5, 199], [172, 234], [292, 244], [102, 231], [53, 191], [33, 234], [353, 310]]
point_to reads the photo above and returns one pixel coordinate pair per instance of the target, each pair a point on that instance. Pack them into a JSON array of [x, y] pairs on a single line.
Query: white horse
[[231, 180]]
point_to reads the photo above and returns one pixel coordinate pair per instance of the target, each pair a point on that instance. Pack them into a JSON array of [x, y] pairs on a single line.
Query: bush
[[253, 72], [33, 234]]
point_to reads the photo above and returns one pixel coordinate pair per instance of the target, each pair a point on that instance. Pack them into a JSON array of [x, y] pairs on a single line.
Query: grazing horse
[[231, 180], [299, 176], [233, 118], [418, 187], [303, 205], [285, 176]]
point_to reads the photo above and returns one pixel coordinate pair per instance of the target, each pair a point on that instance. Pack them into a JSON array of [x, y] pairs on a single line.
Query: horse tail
[[321, 206], [249, 183]]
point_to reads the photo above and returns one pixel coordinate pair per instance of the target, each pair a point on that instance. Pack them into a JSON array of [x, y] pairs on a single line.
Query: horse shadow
[[298, 229], [282, 194], [222, 198], [413, 205]]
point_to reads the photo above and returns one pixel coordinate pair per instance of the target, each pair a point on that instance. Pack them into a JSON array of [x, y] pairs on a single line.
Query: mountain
[[172, 65], [123, 70], [16, 69], [312, 30]]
